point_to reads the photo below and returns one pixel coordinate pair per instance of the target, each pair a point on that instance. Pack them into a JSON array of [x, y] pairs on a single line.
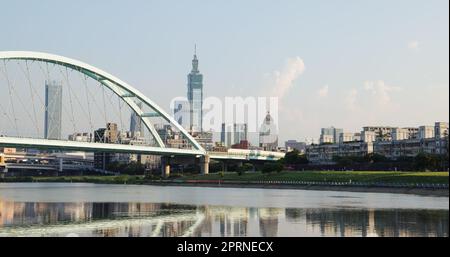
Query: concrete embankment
[[365, 189]]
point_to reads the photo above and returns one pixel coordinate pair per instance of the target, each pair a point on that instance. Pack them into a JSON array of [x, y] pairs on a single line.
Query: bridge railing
[[319, 183], [249, 154]]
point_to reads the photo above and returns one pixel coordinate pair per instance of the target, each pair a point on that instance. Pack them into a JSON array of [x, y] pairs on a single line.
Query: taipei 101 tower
[[195, 96]]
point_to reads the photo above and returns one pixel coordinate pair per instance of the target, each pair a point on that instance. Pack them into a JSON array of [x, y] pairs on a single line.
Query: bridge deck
[[91, 147], [63, 145]]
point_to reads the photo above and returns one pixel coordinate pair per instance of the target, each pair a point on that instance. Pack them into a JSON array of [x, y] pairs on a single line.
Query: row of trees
[[425, 161], [132, 168], [294, 158], [422, 161], [291, 158]]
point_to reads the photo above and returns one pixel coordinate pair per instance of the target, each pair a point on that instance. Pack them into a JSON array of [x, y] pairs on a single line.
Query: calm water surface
[[53, 209]]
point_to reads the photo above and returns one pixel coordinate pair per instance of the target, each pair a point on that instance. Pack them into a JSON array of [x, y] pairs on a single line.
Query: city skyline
[[225, 119], [327, 71]]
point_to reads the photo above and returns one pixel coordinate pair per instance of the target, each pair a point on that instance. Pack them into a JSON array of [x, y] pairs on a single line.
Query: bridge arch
[[122, 89]]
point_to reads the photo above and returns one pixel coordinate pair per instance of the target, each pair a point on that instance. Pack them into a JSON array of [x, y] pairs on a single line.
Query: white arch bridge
[[143, 107]]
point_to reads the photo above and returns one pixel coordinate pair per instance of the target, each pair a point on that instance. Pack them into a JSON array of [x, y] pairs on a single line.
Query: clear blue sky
[[365, 62]]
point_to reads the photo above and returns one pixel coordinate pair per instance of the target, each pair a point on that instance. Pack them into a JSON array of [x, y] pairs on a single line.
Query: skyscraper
[[233, 134], [195, 96], [240, 132], [53, 110], [136, 124], [181, 113], [226, 135]]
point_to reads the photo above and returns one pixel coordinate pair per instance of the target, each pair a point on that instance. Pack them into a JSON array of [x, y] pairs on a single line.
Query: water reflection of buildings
[[168, 220], [397, 223], [385, 223], [103, 219], [224, 221], [268, 221], [12, 213]]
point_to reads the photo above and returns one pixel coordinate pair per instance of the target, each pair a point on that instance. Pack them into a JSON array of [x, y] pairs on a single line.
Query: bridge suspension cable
[[30, 85], [5, 72], [66, 76]]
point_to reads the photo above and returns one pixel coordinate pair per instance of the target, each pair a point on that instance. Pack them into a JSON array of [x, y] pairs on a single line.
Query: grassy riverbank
[[304, 176], [123, 179], [332, 176]]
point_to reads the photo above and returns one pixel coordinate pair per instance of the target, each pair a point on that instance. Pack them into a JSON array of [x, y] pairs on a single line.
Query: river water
[[58, 209]]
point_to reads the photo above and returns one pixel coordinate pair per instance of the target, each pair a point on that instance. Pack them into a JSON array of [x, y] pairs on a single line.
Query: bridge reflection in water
[[168, 220]]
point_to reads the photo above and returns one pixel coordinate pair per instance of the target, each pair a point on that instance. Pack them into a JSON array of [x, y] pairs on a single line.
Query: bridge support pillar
[[165, 166], [60, 165], [204, 165]]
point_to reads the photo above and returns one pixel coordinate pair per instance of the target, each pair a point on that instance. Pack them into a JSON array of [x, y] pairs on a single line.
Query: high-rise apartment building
[[136, 126], [441, 129], [53, 110], [330, 135], [426, 132], [346, 137], [240, 132], [225, 135]]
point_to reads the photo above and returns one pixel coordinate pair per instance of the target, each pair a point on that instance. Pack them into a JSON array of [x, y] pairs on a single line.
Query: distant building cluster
[[111, 135], [391, 142], [189, 114], [233, 134], [292, 145]]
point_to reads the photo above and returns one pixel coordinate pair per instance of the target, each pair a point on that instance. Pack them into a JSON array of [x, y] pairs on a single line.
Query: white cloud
[[350, 100], [373, 93], [284, 79], [380, 90], [323, 92], [413, 45]]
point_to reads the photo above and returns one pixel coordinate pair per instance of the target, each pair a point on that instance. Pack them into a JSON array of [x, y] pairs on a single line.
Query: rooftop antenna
[[195, 49]]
